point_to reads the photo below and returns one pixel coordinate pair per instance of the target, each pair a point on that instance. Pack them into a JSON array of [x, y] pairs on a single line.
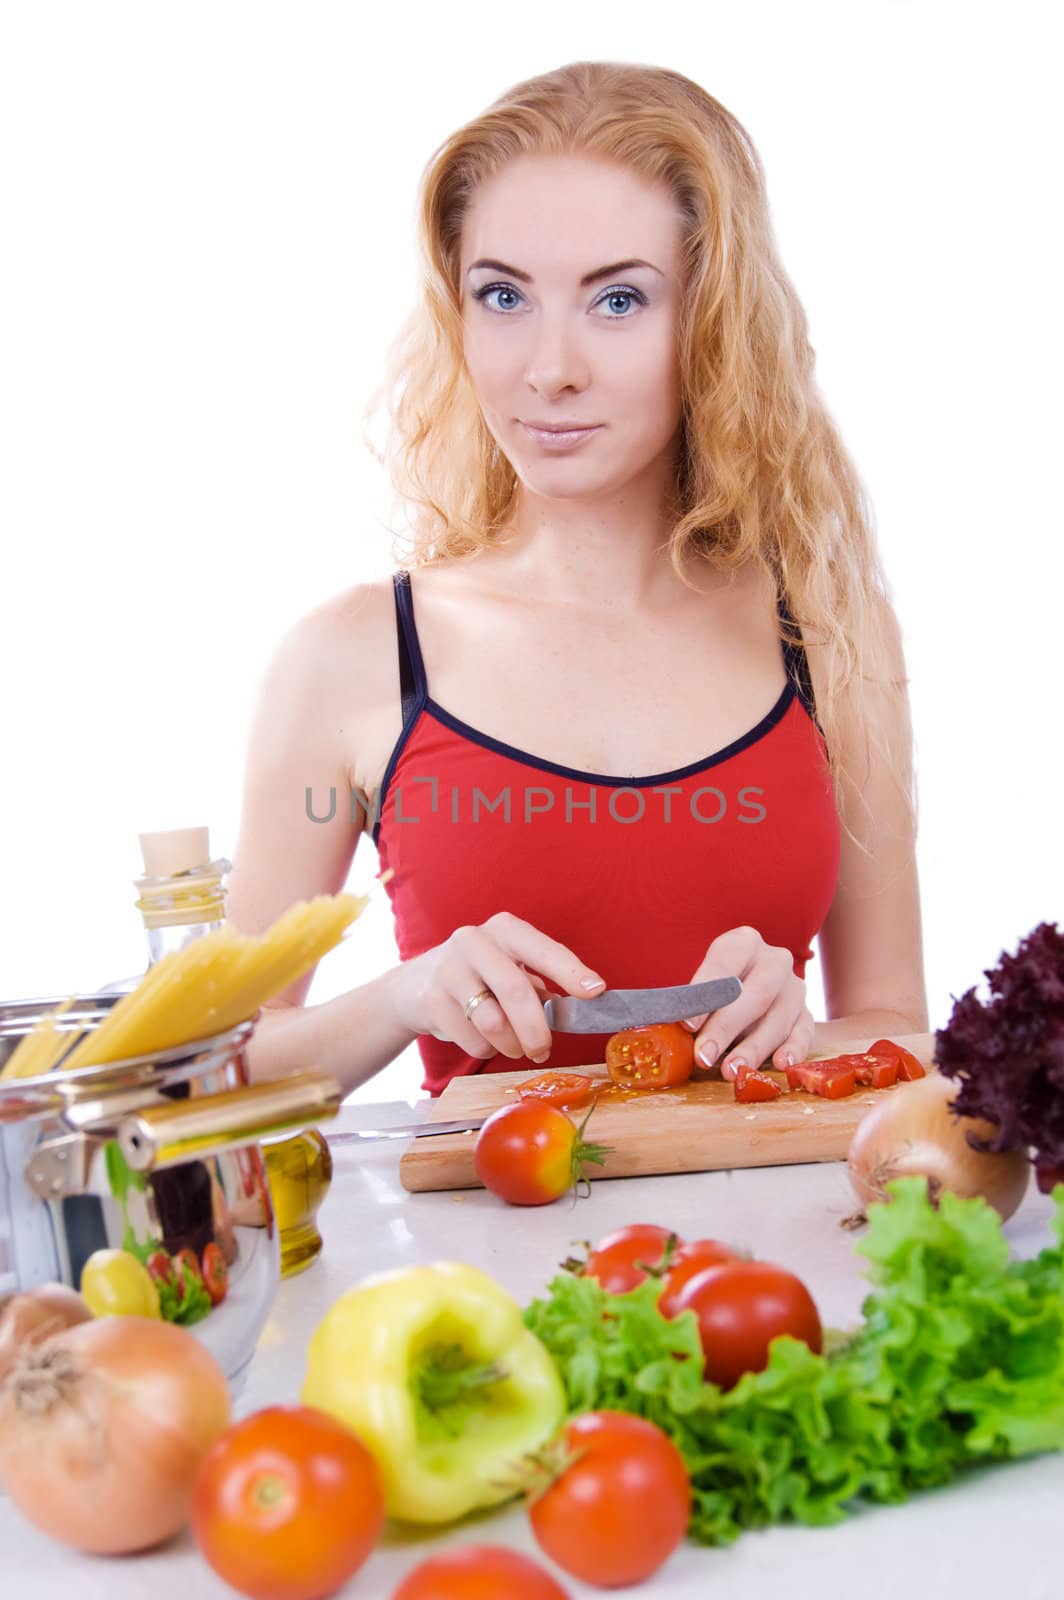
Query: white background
[[207, 217]]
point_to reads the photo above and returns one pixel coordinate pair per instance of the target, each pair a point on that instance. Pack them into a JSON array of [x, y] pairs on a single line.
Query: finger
[[485, 1030], [769, 983], [769, 1034], [524, 943], [519, 1001], [797, 1045], [731, 955]]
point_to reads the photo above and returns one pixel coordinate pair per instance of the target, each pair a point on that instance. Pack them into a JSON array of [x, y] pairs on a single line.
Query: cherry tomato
[[823, 1077], [752, 1085], [613, 1262], [558, 1088], [910, 1067], [161, 1267], [741, 1307], [186, 1258], [654, 1057], [287, 1504], [529, 1153], [621, 1505], [215, 1273], [687, 1263], [479, 1572]]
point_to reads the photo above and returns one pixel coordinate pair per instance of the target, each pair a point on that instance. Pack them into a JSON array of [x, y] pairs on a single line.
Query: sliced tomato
[[831, 1080], [876, 1071], [751, 1085], [558, 1088], [909, 1066], [654, 1057]]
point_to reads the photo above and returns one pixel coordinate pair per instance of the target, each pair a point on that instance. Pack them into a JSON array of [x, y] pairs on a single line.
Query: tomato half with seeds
[[287, 1504], [564, 1089], [529, 1153], [910, 1067], [618, 1261], [654, 1057]]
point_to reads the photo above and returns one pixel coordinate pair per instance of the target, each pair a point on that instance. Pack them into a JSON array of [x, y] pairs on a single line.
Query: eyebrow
[[589, 278]]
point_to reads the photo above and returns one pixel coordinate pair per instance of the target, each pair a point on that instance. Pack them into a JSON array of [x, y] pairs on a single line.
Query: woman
[[580, 619]]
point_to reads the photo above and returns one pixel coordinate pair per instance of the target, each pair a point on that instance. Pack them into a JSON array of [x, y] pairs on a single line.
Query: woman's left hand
[[770, 1017]]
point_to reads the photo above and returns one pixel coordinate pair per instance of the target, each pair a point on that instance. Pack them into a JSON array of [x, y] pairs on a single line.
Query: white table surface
[[997, 1532]]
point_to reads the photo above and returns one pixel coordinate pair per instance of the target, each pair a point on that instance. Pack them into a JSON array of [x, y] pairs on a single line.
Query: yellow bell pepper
[[434, 1369]]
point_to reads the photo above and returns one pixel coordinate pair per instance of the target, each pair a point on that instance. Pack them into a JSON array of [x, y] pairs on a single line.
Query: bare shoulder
[[344, 646]]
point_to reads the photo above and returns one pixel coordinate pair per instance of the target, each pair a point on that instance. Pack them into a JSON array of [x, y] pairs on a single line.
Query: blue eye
[[618, 292]]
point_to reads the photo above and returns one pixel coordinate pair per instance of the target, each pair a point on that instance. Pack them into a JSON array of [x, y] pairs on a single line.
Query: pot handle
[[187, 1130]]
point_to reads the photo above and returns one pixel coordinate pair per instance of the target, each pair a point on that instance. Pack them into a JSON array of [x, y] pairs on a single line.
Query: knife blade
[[635, 1008], [405, 1130]]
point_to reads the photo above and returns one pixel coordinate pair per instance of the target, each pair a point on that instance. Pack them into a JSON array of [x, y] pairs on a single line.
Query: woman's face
[[543, 346]]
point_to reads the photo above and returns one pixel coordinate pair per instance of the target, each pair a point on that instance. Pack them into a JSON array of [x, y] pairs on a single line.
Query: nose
[[556, 362]]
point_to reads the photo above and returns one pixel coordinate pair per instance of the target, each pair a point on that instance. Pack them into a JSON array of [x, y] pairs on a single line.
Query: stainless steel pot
[[157, 1152]]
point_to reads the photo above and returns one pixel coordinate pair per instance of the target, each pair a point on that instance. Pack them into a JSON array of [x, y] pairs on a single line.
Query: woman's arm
[[300, 742], [871, 943]]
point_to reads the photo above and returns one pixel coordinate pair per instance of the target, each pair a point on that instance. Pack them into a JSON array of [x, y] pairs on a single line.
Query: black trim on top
[[412, 686], [416, 698], [797, 662]]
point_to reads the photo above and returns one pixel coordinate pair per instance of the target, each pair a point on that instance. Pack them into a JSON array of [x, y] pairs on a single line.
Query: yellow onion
[[35, 1314], [914, 1132], [103, 1429]]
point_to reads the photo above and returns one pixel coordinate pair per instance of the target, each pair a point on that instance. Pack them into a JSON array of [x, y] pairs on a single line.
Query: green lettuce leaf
[[959, 1359]]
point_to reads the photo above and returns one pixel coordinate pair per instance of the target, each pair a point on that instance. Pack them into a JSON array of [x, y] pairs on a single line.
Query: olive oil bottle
[[181, 898]]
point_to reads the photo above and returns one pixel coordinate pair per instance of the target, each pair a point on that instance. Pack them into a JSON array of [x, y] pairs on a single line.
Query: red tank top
[[636, 875]]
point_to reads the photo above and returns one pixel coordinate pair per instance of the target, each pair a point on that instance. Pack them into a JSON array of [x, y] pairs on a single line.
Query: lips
[[555, 439]]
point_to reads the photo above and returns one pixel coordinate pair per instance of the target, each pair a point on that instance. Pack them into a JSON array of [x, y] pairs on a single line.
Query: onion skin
[[914, 1132], [103, 1429], [33, 1315]]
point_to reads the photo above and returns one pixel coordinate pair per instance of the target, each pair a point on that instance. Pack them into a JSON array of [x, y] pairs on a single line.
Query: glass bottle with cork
[[181, 898]]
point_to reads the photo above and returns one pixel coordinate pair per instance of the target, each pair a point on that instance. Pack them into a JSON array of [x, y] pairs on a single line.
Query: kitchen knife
[[635, 1008], [407, 1130]]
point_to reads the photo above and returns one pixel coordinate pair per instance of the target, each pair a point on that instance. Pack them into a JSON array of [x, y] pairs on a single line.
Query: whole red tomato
[[687, 1263], [620, 1506], [215, 1273], [529, 1153], [479, 1572], [741, 1307], [287, 1504], [653, 1057], [613, 1262]]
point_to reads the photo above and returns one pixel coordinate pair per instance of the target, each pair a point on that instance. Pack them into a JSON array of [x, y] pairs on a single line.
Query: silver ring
[[471, 1004]]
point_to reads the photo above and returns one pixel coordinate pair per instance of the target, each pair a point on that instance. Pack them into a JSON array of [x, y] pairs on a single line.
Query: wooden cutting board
[[697, 1127]]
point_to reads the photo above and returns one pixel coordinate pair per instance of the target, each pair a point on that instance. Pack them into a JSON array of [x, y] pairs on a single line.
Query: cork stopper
[[175, 850]]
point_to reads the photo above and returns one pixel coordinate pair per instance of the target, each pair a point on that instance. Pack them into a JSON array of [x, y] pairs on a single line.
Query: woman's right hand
[[431, 991]]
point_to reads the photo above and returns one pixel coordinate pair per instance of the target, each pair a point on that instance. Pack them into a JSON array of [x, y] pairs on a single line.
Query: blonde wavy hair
[[762, 474]]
